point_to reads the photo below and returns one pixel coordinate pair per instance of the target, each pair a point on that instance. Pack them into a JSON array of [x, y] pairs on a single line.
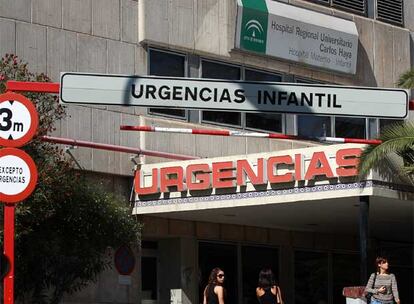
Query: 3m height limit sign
[[222, 95]]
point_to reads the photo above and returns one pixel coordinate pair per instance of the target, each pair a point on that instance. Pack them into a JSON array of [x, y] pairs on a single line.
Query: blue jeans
[[375, 301]]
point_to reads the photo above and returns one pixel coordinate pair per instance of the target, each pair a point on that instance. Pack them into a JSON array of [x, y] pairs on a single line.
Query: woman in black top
[[267, 291], [214, 292]]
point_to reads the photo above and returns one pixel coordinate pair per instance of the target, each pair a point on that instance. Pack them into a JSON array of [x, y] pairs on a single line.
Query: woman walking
[[382, 284], [267, 291], [214, 292]]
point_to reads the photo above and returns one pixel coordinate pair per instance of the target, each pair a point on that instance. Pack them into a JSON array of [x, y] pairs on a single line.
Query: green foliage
[[394, 157], [64, 229], [397, 140], [406, 80]]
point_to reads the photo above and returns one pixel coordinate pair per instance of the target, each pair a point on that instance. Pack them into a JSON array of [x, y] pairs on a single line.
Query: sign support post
[[9, 211], [19, 174]]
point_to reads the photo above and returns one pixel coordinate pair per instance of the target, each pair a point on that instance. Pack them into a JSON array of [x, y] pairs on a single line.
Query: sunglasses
[[220, 276]]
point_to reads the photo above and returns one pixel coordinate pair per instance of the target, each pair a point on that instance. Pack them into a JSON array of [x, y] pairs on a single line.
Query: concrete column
[[189, 274], [194, 72], [363, 236], [286, 273]]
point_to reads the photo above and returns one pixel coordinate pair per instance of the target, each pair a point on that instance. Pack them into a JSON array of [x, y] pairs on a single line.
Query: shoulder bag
[[369, 295]]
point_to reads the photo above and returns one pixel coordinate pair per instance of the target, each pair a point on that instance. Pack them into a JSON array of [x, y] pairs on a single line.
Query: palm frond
[[397, 138], [406, 80]]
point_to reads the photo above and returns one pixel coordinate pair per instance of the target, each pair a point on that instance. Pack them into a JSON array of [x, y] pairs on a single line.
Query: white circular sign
[[18, 175], [18, 120], [14, 175], [15, 120]]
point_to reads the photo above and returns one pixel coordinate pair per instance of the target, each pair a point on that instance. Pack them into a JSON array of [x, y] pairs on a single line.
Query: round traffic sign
[[18, 175], [18, 120], [124, 260]]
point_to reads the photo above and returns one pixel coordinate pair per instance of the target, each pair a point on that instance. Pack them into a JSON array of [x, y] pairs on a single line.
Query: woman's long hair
[[266, 278], [212, 280]]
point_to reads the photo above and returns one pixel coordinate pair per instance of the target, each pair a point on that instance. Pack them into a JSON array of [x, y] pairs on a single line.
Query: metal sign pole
[[9, 210]]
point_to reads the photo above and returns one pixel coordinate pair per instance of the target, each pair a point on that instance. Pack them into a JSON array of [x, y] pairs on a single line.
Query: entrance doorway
[[149, 269], [241, 265], [224, 256]]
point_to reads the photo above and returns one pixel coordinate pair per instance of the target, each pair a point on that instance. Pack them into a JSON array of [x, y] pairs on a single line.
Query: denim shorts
[[376, 301]]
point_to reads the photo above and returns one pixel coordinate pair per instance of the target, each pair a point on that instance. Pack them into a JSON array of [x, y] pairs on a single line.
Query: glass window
[[253, 260], [263, 121], [216, 70], [384, 123], [311, 277], [314, 126], [167, 64], [350, 127], [254, 75], [345, 273]]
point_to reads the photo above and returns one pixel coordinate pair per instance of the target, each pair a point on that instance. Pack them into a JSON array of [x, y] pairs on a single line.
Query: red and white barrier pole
[[109, 147], [247, 134]]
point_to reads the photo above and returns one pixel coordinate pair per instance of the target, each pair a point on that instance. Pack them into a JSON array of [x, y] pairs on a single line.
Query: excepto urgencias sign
[[222, 95], [292, 33]]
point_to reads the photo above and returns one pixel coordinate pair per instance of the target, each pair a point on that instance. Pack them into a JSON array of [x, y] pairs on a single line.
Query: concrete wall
[[207, 28], [110, 36]]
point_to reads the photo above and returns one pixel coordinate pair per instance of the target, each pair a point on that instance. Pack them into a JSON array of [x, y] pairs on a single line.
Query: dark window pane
[[350, 127], [231, 118], [216, 70], [261, 76], [253, 260], [167, 64], [268, 122], [384, 123], [221, 71], [149, 278], [314, 126], [345, 274], [311, 277]]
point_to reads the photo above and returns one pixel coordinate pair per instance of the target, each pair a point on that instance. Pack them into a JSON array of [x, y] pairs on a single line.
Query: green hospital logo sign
[[253, 34]]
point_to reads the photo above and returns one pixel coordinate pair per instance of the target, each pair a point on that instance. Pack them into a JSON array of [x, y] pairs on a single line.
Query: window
[[384, 123], [314, 126], [354, 6], [311, 277], [390, 11], [350, 127], [345, 270], [253, 260], [167, 64], [263, 121], [216, 70]]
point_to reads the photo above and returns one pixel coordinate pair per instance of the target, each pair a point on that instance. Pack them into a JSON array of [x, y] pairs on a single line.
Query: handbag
[[369, 295]]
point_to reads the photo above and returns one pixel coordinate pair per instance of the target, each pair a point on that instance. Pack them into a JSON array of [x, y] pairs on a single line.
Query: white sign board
[[221, 95], [292, 33]]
